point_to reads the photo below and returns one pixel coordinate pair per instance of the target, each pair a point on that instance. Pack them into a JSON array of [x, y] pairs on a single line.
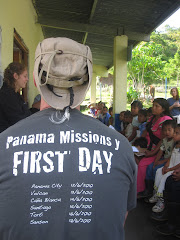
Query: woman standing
[[174, 103], [12, 106], [153, 134]]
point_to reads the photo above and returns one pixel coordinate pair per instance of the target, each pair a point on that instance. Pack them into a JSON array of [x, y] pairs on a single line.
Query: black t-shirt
[[69, 181], [12, 107]]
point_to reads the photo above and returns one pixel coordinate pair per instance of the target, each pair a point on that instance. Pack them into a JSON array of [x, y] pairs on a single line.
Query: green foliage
[[132, 95], [152, 62]]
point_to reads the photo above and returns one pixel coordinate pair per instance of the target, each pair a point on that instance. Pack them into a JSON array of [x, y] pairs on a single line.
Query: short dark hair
[[127, 113], [141, 141], [143, 112], [110, 109], [149, 110], [122, 112], [137, 103], [169, 122]]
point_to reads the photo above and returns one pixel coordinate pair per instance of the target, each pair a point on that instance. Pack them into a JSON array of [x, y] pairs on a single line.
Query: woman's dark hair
[[177, 97], [171, 123], [12, 68], [137, 103], [164, 104]]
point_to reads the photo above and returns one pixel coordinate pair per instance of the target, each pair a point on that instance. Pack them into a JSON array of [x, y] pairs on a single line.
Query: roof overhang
[[96, 23]]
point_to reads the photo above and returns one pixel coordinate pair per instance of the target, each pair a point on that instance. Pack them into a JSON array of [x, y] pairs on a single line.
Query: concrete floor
[[139, 225]]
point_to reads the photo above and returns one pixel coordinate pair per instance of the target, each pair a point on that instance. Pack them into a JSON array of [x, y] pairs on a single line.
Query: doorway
[[20, 54]]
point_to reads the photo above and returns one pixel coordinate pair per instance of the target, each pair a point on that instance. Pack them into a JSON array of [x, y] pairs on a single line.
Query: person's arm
[[123, 132], [152, 153], [165, 166], [14, 108], [163, 161], [173, 168], [125, 217], [144, 133], [133, 135], [36, 104], [175, 104], [106, 121], [158, 157]]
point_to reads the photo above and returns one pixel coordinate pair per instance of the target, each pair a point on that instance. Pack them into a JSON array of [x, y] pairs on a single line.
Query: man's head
[[62, 71]]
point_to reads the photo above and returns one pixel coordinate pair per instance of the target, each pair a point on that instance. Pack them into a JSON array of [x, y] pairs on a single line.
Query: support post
[[93, 89], [120, 77]]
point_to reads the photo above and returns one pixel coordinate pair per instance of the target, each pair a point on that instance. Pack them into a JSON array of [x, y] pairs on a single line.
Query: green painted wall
[[20, 15]]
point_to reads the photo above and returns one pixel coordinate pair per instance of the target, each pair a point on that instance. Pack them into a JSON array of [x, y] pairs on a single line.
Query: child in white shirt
[[163, 173]]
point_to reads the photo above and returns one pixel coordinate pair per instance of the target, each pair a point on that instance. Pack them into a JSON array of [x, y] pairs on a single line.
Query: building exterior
[[19, 36]]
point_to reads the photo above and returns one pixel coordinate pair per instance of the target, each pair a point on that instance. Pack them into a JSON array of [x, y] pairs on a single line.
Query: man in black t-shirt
[[64, 175]]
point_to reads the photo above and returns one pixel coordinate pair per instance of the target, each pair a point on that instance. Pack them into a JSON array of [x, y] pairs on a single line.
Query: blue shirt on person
[[176, 110]]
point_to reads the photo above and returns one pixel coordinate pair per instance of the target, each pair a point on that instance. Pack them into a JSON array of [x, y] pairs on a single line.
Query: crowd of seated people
[[155, 133], [102, 113], [165, 197], [158, 160]]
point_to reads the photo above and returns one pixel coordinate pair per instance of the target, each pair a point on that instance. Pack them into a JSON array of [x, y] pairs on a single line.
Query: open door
[[20, 54]]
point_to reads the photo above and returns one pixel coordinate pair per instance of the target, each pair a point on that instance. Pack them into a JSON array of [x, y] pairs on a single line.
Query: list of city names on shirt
[[42, 202]]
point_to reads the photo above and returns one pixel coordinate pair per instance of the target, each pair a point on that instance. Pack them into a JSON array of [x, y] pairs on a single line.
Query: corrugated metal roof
[[97, 22]]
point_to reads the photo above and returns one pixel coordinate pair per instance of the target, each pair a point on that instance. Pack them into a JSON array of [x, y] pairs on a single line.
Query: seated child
[[99, 107], [122, 124], [149, 112], [110, 124], [104, 118], [128, 117], [92, 108], [142, 118], [141, 145], [135, 107], [164, 172], [111, 111], [164, 153]]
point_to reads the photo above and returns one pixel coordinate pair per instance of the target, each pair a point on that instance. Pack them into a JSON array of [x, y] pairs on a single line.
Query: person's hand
[[176, 104], [147, 153], [164, 170], [176, 174], [155, 164]]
